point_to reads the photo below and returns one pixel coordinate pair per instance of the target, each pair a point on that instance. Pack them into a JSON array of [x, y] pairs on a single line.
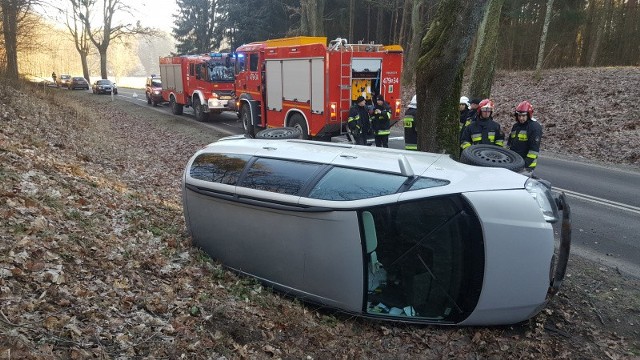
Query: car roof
[[462, 177]]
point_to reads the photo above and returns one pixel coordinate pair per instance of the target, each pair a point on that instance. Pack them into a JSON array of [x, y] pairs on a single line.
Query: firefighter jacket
[[525, 140], [482, 131], [410, 132], [358, 121], [381, 119], [466, 117]]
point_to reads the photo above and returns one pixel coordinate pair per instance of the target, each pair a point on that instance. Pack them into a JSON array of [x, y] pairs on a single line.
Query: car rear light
[[398, 107], [334, 111]]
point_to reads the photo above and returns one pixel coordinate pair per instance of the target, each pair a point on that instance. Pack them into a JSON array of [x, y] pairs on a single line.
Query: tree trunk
[[600, 31], [403, 24], [484, 60], [352, 18], [10, 33], [379, 25], [543, 37], [417, 31], [439, 73]]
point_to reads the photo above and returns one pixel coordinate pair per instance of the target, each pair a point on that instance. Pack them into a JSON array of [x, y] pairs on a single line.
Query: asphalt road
[[605, 201]]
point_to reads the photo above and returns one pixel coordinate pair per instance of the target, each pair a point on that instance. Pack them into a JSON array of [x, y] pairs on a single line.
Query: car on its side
[[153, 90], [104, 86], [381, 233], [78, 82], [63, 80]]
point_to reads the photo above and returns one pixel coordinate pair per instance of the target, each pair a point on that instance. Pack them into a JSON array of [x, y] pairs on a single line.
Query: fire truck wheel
[[297, 121], [279, 133], [492, 156], [176, 109], [245, 115], [198, 110]]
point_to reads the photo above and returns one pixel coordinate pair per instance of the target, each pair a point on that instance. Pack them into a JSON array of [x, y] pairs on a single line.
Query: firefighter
[[358, 123], [525, 135], [410, 133], [484, 130], [381, 122], [53, 75]]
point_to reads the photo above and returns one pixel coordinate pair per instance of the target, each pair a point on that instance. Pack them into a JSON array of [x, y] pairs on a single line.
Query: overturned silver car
[[388, 234]]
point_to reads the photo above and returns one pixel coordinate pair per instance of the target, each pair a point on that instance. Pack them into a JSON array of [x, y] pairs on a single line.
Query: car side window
[[343, 184], [425, 183], [220, 168], [279, 176]]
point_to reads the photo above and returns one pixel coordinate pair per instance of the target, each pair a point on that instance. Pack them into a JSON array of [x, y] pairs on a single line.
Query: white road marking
[[597, 200]]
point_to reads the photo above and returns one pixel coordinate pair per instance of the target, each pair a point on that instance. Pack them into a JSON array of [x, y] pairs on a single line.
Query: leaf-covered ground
[[95, 261]]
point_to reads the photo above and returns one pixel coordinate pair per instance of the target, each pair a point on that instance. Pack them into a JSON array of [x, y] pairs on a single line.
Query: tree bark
[[543, 37], [600, 32], [10, 33], [352, 17], [439, 73], [484, 60], [417, 33]]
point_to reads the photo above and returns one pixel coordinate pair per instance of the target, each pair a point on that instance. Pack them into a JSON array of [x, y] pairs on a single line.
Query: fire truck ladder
[[345, 85]]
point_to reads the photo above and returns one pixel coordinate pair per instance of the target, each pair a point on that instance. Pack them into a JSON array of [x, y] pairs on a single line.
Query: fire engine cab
[[303, 83], [204, 82]]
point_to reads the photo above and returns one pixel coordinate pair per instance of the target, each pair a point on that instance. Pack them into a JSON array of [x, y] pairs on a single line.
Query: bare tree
[[102, 36], [14, 13], [543, 37], [484, 59], [439, 72], [312, 17], [78, 31]]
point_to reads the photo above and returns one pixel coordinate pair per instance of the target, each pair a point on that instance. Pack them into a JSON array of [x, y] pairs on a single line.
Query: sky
[[154, 13]]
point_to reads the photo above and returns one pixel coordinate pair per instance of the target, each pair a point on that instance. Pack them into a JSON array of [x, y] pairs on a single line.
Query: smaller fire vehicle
[[204, 82]]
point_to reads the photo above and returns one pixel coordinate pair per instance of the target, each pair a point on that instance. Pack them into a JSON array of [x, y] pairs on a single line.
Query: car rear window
[[343, 184], [279, 176], [221, 168]]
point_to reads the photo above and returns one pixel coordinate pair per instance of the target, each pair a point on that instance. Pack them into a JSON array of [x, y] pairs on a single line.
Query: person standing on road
[[409, 120], [484, 130], [381, 122], [358, 122], [525, 135], [53, 76]]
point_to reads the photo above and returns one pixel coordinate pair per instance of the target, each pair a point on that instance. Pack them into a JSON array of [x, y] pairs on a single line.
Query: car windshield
[[65, 76], [156, 83], [219, 72], [78, 79], [104, 82]]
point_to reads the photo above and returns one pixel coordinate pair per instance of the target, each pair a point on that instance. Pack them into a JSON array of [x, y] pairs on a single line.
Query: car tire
[[279, 133], [492, 156], [148, 98], [115, 92], [297, 121], [198, 110], [176, 109], [245, 116]]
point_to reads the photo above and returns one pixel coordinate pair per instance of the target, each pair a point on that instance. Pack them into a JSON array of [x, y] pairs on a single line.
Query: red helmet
[[486, 103], [524, 107]]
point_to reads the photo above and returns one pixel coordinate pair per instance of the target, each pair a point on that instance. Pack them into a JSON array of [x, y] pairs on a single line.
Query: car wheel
[[115, 92], [198, 110], [492, 156], [245, 115], [279, 133], [153, 102], [176, 109], [148, 99], [297, 122]]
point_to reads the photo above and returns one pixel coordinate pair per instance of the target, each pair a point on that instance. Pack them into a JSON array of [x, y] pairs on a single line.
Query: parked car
[[382, 233], [104, 86], [63, 80], [154, 90], [78, 82]]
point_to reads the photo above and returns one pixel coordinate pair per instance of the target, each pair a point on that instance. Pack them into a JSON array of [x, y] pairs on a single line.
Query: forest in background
[[581, 32]]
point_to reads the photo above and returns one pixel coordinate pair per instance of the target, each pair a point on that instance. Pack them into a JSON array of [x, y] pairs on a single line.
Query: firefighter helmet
[[485, 104], [413, 104], [464, 100], [524, 108]]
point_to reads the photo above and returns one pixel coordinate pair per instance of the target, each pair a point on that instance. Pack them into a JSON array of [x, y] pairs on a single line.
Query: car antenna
[[405, 167]]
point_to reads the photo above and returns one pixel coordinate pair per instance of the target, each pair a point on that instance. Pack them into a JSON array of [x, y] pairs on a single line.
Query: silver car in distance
[[388, 234]]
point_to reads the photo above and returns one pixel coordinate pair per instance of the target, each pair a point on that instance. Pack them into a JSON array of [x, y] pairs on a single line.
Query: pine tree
[[194, 26]]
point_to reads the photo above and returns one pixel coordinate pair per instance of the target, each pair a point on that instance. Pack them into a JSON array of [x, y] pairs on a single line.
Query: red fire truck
[[204, 82], [303, 83]]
